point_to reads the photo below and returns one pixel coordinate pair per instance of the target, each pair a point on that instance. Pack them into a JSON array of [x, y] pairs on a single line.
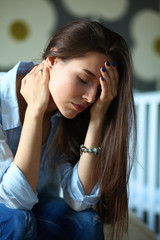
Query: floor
[[137, 230]]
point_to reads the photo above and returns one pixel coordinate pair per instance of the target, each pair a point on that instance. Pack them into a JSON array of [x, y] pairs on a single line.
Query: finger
[[46, 74], [110, 67], [106, 84], [23, 83], [116, 74], [113, 76], [108, 87], [40, 67], [33, 70], [104, 87], [109, 70]]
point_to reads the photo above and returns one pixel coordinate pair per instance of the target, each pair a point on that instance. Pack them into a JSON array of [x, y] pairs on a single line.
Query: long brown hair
[[115, 158]]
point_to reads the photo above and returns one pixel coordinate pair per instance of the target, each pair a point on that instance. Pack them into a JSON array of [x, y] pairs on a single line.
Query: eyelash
[[83, 81]]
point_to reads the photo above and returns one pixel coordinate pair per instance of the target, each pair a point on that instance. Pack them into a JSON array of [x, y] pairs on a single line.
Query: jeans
[[50, 220]]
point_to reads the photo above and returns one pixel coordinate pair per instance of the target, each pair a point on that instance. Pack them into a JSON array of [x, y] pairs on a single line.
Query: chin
[[69, 115]]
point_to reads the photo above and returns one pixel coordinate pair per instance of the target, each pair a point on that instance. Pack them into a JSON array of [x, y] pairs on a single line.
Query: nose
[[90, 95]]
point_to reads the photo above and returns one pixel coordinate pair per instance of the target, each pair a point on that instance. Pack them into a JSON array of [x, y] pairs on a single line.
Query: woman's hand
[[109, 87], [34, 88]]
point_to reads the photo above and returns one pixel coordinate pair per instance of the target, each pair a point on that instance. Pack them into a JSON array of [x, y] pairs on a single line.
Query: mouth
[[79, 108]]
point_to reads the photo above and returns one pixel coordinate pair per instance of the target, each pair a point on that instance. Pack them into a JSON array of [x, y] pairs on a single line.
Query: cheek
[[72, 90], [65, 89], [54, 91], [51, 87], [55, 85]]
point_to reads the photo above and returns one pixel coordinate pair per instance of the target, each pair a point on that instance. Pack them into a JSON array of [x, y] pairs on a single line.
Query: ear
[[51, 62]]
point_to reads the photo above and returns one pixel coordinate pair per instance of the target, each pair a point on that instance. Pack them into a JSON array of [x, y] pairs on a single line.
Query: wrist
[[94, 133], [34, 113], [96, 123], [84, 149], [99, 115]]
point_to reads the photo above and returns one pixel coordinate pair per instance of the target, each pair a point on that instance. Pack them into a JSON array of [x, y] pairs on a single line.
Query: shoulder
[[24, 67], [2, 74]]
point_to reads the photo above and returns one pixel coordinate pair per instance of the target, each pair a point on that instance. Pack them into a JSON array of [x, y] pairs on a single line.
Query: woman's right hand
[[34, 89]]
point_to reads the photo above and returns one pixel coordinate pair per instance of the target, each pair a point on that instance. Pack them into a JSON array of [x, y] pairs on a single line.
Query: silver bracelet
[[84, 149]]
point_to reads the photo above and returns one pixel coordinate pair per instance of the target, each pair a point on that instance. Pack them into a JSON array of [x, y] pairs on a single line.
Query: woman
[[67, 120]]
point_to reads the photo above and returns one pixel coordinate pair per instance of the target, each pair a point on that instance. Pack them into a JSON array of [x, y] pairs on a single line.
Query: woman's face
[[73, 83]]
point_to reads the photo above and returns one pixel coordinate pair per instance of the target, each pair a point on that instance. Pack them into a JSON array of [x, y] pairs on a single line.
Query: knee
[[90, 219], [88, 224], [17, 224], [25, 224], [94, 225]]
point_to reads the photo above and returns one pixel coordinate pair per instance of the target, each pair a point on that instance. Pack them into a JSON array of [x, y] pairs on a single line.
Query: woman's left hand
[[109, 87]]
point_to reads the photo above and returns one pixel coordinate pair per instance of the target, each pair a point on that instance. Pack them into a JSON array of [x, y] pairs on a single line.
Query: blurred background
[[25, 27]]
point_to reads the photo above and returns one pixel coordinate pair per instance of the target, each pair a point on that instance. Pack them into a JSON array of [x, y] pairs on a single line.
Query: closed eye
[[83, 81]]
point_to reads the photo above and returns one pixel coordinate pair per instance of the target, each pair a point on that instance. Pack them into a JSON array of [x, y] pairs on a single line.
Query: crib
[[144, 183]]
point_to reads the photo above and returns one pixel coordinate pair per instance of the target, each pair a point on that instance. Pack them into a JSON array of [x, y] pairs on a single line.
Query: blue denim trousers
[[50, 220]]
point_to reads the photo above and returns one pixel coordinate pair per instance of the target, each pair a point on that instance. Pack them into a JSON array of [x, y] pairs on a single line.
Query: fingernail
[[45, 59], [107, 63], [103, 69], [113, 64], [102, 78]]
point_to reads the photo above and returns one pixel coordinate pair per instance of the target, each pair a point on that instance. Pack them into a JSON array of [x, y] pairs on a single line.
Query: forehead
[[93, 58], [92, 61]]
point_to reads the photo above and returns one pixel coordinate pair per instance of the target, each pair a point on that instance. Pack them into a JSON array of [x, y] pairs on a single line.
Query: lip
[[79, 108]]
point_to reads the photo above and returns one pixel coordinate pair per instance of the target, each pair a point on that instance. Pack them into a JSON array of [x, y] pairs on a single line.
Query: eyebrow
[[89, 72]]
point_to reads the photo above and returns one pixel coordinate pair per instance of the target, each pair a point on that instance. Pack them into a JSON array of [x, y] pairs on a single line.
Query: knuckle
[[109, 83]]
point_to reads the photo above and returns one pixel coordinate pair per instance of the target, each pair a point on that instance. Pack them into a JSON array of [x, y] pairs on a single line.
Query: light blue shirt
[[15, 191]]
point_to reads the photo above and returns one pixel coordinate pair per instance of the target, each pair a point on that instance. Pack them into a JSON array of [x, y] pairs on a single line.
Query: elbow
[[77, 205], [16, 205], [79, 208]]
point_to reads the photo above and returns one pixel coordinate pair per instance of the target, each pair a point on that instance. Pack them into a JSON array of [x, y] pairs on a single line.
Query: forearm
[[87, 163], [29, 150]]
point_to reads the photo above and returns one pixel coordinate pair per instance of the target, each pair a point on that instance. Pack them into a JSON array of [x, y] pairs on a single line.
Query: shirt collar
[[9, 103]]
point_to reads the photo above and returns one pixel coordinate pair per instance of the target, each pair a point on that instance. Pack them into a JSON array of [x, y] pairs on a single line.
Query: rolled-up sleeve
[[73, 191], [15, 191]]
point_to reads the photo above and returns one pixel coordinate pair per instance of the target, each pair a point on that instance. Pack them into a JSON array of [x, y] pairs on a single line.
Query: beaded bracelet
[[84, 149]]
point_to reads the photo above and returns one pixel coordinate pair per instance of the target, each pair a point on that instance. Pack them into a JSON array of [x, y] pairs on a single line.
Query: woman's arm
[[88, 161], [29, 150], [35, 91]]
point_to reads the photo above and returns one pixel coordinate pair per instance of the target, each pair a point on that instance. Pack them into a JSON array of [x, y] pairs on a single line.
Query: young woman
[[67, 121]]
